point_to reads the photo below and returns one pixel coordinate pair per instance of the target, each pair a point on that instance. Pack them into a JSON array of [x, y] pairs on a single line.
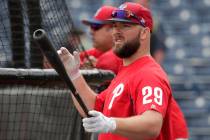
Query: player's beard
[[128, 48]]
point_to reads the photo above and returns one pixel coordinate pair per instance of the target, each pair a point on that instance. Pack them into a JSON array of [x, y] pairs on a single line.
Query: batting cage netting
[[34, 103], [20, 18]]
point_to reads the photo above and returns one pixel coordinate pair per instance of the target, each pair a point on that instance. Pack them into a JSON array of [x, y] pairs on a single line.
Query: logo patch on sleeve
[[153, 106]]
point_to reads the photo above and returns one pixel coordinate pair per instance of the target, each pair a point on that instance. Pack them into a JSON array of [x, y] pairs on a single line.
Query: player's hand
[[46, 64], [70, 62], [93, 60], [89, 63], [98, 123]]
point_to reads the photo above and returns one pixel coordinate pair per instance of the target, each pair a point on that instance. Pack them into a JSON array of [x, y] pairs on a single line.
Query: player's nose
[[92, 32], [116, 28]]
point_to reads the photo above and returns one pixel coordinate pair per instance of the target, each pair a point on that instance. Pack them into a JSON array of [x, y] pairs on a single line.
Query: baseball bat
[[41, 39]]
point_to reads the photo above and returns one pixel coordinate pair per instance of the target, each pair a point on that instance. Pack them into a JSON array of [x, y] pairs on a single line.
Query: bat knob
[[39, 33]]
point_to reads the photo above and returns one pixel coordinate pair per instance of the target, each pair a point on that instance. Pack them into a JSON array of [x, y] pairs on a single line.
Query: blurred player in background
[[101, 55], [137, 104], [158, 48], [101, 32]]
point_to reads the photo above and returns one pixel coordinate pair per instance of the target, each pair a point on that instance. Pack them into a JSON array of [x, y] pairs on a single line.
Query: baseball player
[[101, 32], [106, 61], [180, 128], [137, 104]]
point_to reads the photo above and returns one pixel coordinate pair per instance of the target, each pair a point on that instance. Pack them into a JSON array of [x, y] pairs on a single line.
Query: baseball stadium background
[[35, 103]]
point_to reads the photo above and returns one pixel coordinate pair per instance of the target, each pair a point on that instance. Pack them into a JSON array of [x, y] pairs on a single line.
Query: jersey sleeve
[[91, 52], [152, 93], [100, 99], [179, 122]]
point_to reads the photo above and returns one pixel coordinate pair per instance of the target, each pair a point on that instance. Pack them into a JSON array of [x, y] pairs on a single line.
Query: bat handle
[[78, 98]]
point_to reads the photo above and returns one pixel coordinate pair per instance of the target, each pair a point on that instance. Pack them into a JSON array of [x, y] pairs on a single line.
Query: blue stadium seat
[[202, 132], [189, 113], [199, 121], [206, 94], [184, 95]]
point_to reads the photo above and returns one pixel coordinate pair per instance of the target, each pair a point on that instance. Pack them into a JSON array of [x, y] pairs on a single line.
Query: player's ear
[[144, 33]]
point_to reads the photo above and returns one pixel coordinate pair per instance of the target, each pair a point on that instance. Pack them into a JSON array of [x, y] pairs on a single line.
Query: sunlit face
[[102, 38], [126, 39]]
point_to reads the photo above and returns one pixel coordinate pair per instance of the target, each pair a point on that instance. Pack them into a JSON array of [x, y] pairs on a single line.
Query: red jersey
[[179, 123], [92, 52], [139, 87], [109, 61]]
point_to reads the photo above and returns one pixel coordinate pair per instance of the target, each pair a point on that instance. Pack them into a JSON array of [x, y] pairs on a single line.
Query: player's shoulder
[[152, 70], [94, 51], [148, 64]]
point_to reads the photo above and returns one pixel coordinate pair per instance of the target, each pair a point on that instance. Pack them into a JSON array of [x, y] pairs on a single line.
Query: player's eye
[[127, 25]]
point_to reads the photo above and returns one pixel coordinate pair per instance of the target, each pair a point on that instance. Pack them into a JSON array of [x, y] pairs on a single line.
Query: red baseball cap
[[101, 16], [133, 13]]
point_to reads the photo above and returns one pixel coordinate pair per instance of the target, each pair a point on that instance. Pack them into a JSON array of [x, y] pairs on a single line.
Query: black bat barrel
[[40, 37], [49, 51]]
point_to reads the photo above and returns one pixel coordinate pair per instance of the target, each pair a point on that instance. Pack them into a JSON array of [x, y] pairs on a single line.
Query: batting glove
[[70, 62], [98, 123]]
